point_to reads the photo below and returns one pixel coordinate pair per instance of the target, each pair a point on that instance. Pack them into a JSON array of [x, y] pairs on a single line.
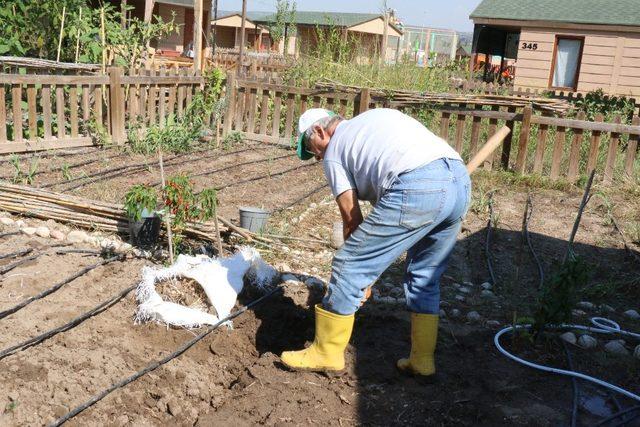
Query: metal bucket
[[253, 219]]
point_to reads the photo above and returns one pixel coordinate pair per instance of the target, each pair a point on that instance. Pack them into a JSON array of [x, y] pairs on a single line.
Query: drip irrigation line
[[266, 176], [155, 365], [618, 415], [574, 385], [7, 268], [55, 287], [80, 251], [17, 253], [10, 233], [56, 154], [301, 199], [527, 235], [487, 244], [67, 326]]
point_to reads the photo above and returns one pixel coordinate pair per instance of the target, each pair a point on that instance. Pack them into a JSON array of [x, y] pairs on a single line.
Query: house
[[570, 45], [367, 29], [227, 29]]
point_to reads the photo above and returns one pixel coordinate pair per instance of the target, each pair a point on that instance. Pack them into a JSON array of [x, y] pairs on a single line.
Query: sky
[[430, 13]]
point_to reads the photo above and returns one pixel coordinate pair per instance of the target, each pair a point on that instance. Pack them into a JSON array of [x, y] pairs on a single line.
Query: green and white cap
[[306, 121]]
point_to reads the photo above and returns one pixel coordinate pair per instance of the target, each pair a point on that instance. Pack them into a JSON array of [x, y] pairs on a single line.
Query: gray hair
[[325, 123]]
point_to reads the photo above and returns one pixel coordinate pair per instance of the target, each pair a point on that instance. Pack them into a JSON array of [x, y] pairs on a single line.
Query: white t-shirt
[[368, 152]]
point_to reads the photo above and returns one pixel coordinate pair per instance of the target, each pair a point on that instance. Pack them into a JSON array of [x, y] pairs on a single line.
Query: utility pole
[[385, 33], [197, 34], [215, 26], [242, 30]]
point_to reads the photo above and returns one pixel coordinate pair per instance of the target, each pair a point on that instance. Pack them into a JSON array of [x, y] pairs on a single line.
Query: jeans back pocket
[[421, 207]]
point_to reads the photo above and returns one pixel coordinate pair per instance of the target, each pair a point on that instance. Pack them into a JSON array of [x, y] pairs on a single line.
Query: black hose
[[17, 253], [269, 175], [7, 268], [55, 287], [72, 324], [300, 199], [153, 366], [10, 233]]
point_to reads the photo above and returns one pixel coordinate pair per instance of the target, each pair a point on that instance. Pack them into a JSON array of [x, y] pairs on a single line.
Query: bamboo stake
[[64, 11], [78, 36], [217, 226], [167, 218]]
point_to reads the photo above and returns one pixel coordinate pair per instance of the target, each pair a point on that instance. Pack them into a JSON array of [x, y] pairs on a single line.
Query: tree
[[285, 17]]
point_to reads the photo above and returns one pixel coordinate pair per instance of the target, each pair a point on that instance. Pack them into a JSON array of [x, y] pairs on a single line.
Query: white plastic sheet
[[221, 279]]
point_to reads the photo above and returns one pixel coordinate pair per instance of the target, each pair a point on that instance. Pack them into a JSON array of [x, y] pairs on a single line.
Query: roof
[[602, 12]]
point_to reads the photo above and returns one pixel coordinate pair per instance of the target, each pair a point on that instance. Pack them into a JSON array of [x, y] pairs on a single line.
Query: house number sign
[[529, 46]]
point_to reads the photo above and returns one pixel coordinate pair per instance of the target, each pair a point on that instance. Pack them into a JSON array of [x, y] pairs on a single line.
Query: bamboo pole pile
[[407, 98], [93, 214]]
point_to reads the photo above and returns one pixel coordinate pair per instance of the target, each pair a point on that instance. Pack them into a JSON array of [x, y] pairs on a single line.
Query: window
[[566, 63]]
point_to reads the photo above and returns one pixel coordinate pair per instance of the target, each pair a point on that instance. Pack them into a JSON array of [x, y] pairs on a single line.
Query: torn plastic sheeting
[[221, 279]]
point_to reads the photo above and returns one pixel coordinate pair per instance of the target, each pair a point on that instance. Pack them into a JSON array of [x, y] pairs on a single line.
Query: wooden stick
[[167, 218], [78, 36], [64, 11], [492, 144], [215, 222], [585, 199]]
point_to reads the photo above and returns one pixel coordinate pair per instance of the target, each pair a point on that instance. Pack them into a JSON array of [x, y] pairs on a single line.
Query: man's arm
[[350, 211]]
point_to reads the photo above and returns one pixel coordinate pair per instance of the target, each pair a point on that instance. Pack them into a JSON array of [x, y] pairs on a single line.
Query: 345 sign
[[529, 46]]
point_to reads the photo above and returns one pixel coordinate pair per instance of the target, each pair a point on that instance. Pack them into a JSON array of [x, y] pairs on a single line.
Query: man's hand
[[350, 211]]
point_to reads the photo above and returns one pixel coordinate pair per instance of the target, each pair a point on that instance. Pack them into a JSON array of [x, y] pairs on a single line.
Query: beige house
[[367, 29], [570, 45]]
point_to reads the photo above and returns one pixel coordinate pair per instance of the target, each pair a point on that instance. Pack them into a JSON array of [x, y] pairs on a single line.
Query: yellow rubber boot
[[424, 334], [333, 332]]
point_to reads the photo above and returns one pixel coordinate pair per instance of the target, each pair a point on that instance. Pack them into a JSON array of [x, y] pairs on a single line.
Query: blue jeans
[[422, 214]]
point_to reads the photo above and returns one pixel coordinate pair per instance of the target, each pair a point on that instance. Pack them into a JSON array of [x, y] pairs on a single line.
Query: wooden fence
[[39, 112], [554, 147]]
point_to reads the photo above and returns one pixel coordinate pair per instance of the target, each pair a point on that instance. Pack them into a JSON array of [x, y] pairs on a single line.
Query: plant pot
[[145, 232], [253, 219]]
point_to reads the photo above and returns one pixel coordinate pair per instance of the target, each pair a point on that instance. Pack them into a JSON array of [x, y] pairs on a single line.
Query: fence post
[[362, 101], [525, 131], [116, 105], [231, 103]]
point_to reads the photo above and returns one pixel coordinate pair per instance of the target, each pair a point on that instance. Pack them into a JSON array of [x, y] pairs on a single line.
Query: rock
[[632, 314], [29, 231], [486, 286], [20, 223], [56, 234], [585, 305], [569, 337], [173, 408], [636, 353], [6, 221], [443, 313], [587, 342], [161, 405], [578, 313], [457, 285], [616, 347], [493, 323], [92, 240], [397, 292], [125, 247], [59, 410], [468, 284], [77, 236], [459, 298], [455, 313], [43, 232], [487, 294], [465, 290], [607, 308], [473, 316]]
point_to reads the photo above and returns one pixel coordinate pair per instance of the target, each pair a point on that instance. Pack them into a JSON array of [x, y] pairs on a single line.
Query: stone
[[92, 240], [486, 286], [578, 313], [457, 285], [173, 408], [6, 221], [397, 292], [487, 294], [616, 347], [607, 308], [56, 234], [455, 313], [125, 247], [161, 405], [468, 284], [493, 323], [632, 314], [459, 298], [587, 342], [465, 290], [443, 313], [20, 223], [569, 337], [585, 305], [77, 236], [473, 316], [636, 353], [29, 231], [43, 232]]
